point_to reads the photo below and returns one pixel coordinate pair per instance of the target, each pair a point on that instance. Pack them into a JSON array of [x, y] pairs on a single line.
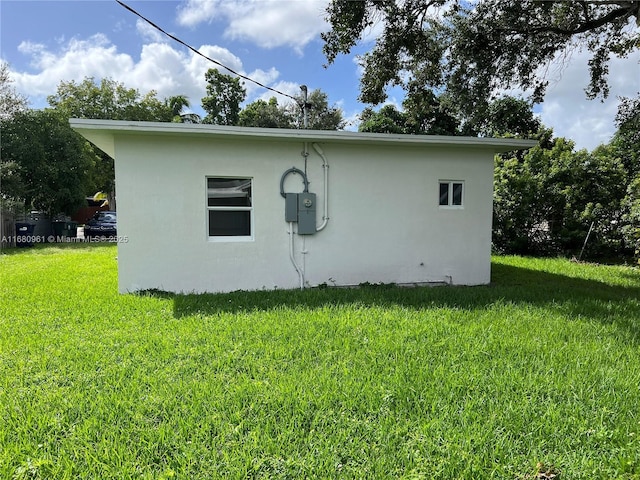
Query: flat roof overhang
[[102, 134]]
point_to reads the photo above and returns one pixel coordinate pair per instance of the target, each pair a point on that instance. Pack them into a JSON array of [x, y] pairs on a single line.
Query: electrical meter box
[[306, 213], [301, 208]]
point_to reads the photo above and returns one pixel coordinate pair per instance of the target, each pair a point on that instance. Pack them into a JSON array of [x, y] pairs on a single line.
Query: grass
[[537, 374]]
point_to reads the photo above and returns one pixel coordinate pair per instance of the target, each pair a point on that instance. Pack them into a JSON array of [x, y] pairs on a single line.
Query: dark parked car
[[103, 224]]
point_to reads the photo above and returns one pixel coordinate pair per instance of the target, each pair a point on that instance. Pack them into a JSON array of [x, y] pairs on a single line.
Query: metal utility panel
[[291, 207], [306, 213]]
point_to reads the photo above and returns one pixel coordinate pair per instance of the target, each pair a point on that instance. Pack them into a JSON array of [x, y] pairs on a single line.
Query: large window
[[451, 193], [229, 208]]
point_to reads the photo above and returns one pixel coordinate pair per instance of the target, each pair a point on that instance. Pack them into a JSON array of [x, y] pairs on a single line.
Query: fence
[[7, 229]]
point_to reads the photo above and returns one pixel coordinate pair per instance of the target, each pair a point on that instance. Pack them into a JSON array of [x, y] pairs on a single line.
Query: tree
[[626, 145], [178, 104], [522, 203], [631, 229], [425, 114], [386, 120], [11, 102], [224, 96], [265, 114], [506, 116], [547, 201], [472, 49], [320, 115], [627, 137], [272, 115], [109, 100], [422, 114], [44, 164], [428, 114]]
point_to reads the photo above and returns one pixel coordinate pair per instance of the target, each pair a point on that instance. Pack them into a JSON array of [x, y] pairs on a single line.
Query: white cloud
[[148, 33], [92, 57], [290, 88], [197, 66], [160, 67], [588, 122], [265, 78], [197, 11], [29, 48], [267, 23], [352, 120], [220, 54]]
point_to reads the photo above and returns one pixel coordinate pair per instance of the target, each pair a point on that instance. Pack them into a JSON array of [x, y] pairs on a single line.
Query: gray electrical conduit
[[293, 260], [305, 181], [325, 217], [325, 166]]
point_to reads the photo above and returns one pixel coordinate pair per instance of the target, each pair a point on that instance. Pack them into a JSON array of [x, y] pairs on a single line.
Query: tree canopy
[[321, 116], [554, 200], [625, 145], [265, 114], [224, 96], [44, 164], [425, 114], [422, 114], [11, 102], [179, 105], [547, 200], [388, 119], [110, 100], [470, 50], [507, 115]]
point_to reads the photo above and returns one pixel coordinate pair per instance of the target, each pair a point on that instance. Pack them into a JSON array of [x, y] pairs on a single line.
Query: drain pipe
[[325, 167]]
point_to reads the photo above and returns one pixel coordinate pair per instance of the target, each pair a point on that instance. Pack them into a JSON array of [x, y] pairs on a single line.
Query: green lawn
[[543, 366]]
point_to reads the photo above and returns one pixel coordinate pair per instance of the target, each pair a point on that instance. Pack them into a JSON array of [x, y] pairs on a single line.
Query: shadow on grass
[[575, 297]]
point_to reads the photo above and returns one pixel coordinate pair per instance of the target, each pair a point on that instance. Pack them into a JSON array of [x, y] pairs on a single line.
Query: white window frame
[[450, 205], [229, 238]]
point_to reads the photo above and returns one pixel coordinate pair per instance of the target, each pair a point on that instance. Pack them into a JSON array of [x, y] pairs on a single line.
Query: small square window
[[444, 194], [229, 207], [456, 197], [451, 193]]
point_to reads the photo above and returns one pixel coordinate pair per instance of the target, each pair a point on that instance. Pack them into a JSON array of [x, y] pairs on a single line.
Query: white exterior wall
[[385, 223]]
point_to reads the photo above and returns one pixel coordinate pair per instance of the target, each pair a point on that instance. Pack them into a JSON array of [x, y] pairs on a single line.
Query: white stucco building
[[202, 209]]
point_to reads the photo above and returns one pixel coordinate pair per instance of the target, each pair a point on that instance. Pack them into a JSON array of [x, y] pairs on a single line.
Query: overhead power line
[[173, 37]]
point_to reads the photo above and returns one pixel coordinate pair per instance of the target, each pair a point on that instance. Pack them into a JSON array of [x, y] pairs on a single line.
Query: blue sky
[[275, 41]]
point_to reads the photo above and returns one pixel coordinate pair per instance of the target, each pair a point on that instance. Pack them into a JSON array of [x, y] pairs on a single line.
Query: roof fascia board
[[103, 132]]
